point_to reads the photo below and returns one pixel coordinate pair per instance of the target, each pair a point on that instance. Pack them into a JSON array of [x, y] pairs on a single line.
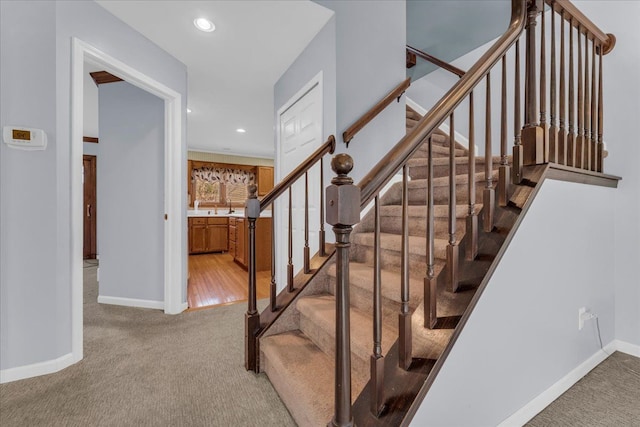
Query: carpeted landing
[[142, 367]]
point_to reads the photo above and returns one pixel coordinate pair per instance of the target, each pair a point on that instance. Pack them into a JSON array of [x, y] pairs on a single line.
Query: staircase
[[429, 239], [299, 362]]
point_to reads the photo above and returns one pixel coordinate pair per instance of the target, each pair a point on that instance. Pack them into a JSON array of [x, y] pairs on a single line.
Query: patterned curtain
[[224, 175]]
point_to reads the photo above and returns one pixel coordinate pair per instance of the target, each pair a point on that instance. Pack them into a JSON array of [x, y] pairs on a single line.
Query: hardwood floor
[[214, 279]]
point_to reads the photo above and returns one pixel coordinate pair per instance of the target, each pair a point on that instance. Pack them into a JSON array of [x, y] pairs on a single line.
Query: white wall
[[35, 303], [90, 105], [130, 201], [522, 336]]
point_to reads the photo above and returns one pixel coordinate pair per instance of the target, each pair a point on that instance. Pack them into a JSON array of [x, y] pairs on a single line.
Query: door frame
[[278, 223], [174, 171]]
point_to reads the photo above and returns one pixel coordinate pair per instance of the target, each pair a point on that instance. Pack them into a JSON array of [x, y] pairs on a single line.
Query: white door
[[300, 134]]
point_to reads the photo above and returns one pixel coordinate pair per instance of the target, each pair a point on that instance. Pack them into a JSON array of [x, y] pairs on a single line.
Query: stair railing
[[412, 53], [579, 147], [356, 127], [253, 210]]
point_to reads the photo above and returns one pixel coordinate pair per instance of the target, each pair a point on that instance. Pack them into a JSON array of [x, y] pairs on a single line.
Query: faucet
[[196, 204], [230, 208]]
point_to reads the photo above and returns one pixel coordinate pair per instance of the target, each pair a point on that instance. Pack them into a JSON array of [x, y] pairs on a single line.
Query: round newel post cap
[[342, 164]]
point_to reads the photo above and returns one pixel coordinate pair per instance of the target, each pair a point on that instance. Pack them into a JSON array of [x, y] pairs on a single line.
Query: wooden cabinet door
[[241, 242], [90, 247], [197, 238], [217, 236], [265, 180]]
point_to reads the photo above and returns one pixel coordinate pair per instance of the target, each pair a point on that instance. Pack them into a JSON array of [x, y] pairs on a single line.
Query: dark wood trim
[[102, 77], [581, 176], [396, 93], [437, 61], [89, 139]]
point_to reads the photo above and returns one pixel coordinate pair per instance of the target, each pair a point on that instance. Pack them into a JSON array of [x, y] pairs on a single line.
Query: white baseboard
[[535, 406], [628, 348], [36, 369], [131, 302], [184, 306]]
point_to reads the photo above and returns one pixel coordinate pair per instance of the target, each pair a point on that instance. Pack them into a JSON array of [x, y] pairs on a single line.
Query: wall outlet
[[582, 316]]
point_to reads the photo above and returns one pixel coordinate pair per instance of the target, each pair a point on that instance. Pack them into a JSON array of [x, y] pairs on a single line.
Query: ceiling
[[231, 71]]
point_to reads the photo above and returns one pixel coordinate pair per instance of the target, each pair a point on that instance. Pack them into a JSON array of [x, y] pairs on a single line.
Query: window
[[218, 184]]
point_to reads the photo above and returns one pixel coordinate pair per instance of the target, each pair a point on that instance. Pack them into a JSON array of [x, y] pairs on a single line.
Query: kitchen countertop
[[222, 213]]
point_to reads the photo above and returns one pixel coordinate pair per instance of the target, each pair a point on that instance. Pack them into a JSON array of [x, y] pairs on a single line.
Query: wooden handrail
[[437, 61], [583, 24], [396, 93], [328, 147], [382, 172]]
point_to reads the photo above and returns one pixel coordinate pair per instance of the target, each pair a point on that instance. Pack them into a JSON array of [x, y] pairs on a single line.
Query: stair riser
[[440, 195], [326, 342], [362, 299], [391, 260], [417, 225], [422, 172]]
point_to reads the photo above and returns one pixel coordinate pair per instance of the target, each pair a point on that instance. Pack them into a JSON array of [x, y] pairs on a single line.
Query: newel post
[[343, 211], [252, 317], [533, 140]]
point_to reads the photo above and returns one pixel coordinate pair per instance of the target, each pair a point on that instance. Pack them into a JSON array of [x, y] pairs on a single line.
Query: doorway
[[174, 213], [90, 246]]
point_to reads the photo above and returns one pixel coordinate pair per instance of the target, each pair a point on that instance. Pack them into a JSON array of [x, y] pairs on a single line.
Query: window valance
[[224, 175]]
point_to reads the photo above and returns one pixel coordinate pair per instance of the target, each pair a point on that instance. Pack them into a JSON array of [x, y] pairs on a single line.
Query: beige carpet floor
[[608, 396], [144, 368]]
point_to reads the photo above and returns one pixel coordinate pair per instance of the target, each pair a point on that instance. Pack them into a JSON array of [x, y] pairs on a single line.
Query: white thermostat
[[24, 138]]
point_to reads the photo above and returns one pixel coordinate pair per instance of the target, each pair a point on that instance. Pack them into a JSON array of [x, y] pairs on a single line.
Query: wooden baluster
[[600, 159], [377, 359], [273, 289], [343, 211], [579, 159], [532, 135], [404, 317], [553, 130], [306, 254], [543, 88], [593, 136], [321, 235], [586, 148], [452, 248], [290, 262], [472, 217], [252, 317], [571, 149], [489, 192], [517, 127], [562, 131], [504, 170], [430, 281]]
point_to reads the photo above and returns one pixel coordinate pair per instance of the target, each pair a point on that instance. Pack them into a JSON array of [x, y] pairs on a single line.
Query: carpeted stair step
[[418, 167], [361, 281], [390, 251], [391, 219], [418, 190], [302, 374], [318, 322]]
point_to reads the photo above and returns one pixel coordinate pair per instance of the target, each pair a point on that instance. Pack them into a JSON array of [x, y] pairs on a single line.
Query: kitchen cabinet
[[239, 241], [208, 234], [264, 175]]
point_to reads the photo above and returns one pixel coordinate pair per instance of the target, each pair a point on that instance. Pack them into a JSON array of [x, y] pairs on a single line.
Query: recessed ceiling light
[[188, 110], [203, 24], [240, 130]]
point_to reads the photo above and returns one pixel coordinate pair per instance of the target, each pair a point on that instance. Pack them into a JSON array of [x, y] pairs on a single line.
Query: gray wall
[[32, 328], [370, 62], [522, 336], [622, 113], [130, 199], [35, 250]]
